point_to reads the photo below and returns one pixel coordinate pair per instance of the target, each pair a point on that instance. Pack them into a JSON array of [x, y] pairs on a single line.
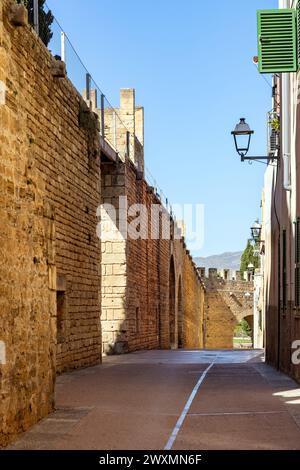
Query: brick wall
[[152, 295], [50, 191], [148, 264], [142, 306], [114, 257], [50, 273], [193, 306], [225, 306]]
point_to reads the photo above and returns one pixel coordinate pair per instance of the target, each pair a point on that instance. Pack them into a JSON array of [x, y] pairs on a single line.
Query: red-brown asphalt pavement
[[135, 401]]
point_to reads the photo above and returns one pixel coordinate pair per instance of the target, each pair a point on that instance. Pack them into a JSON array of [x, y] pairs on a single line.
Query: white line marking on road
[[240, 413], [185, 411]]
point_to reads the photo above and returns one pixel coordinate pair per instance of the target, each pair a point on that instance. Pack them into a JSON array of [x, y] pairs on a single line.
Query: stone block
[[18, 15], [114, 281], [58, 68], [2, 93], [61, 283], [52, 277], [213, 273], [88, 120]]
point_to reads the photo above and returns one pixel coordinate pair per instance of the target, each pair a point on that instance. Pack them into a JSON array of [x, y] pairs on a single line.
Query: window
[[277, 40]]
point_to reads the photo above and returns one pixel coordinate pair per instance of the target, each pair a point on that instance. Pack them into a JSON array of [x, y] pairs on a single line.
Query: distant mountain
[[223, 261]]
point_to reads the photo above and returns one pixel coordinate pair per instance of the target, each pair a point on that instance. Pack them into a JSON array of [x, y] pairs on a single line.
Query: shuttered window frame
[[277, 40], [298, 32]]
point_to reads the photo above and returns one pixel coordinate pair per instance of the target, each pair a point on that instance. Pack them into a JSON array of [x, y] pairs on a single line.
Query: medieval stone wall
[[50, 255], [114, 257], [140, 307], [27, 319], [50, 272], [152, 295], [148, 270], [193, 298], [227, 302]]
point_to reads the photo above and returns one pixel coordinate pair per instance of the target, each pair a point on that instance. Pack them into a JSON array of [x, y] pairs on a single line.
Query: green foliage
[[243, 329], [248, 257], [275, 124], [45, 19]]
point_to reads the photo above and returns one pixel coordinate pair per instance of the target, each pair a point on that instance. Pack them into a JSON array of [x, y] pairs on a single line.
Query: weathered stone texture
[[225, 306], [148, 276], [52, 281], [136, 283], [193, 307], [152, 295], [49, 191]]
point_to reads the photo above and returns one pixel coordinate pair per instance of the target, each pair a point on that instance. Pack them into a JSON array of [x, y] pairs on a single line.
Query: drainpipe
[[285, 120]]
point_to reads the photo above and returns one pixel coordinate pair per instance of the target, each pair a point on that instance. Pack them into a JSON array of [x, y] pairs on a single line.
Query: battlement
[[225, 274]]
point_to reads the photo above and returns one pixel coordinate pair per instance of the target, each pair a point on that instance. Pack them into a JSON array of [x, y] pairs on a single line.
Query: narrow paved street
[[173, 400]]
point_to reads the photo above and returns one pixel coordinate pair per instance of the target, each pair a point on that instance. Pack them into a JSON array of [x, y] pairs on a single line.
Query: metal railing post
[[102, 115], [63, 46], [36, 16], [88, 86]]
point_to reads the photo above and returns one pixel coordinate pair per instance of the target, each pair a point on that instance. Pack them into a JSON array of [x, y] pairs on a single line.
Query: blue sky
[[191, 65]]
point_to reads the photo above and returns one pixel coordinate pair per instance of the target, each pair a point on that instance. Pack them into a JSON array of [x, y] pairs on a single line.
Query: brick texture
[[58, 283], [50, 191], [225, 306], [143, 306]]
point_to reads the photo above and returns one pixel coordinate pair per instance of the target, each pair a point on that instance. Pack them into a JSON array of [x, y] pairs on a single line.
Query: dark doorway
[[61, 314]]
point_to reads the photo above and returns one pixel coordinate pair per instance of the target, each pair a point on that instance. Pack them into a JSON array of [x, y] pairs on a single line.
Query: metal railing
[[112, 128], [159, 192]]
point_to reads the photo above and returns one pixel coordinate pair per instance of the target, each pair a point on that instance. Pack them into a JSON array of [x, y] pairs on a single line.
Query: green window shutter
[[277, 41], [298, 32]]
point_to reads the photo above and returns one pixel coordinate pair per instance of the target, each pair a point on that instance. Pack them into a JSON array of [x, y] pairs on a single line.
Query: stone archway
[[241, 337], [172, 304], [180, 316]]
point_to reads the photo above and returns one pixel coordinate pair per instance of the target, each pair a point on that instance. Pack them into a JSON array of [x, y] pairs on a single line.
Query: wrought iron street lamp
[[256, 231], [242, 137]]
